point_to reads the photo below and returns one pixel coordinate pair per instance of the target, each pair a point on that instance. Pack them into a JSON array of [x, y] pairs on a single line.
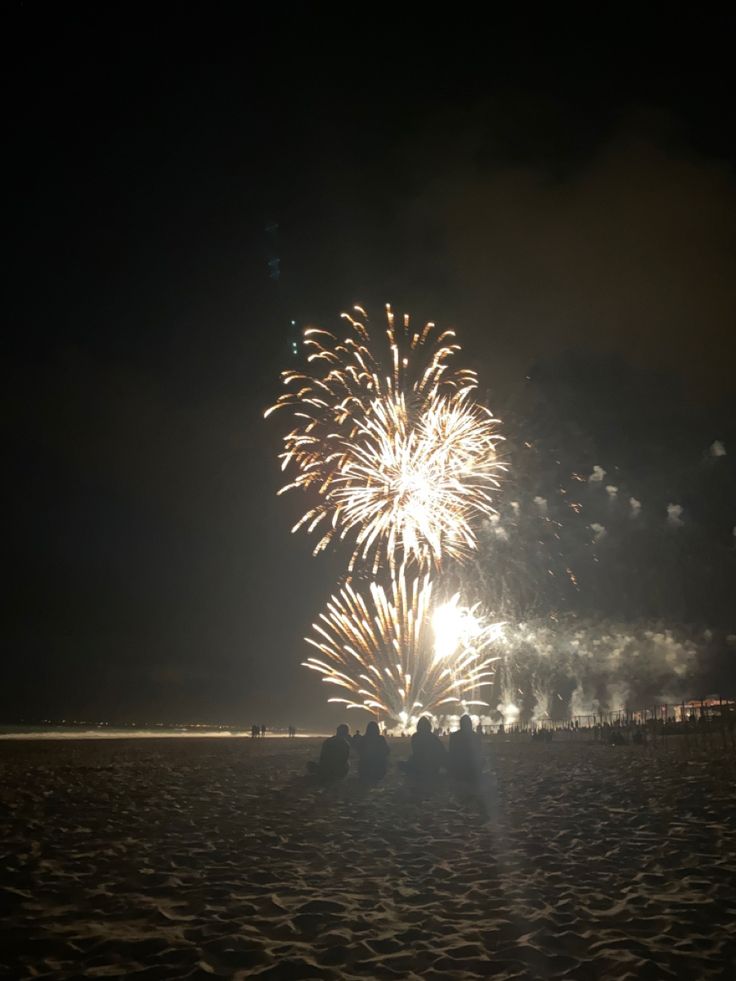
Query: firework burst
[[395, 653], [389, 437]]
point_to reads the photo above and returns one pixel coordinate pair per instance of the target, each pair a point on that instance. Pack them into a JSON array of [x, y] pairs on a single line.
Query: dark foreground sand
[[194, 858]]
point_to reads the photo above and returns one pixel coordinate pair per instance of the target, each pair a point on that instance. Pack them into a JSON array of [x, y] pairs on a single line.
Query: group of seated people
[[462, 759]]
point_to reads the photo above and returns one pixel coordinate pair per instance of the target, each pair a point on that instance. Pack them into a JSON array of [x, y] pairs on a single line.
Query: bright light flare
[[459, 628]]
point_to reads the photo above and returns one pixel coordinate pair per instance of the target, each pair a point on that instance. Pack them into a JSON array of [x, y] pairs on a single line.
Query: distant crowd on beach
[[719, 723], [259, 732], [462, 759], [429, 755]]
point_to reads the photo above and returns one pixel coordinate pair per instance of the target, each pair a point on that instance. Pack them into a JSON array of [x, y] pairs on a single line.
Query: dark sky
[[544, 186]]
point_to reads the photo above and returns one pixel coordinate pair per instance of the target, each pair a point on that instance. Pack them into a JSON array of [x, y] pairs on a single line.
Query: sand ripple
[[204, 859]]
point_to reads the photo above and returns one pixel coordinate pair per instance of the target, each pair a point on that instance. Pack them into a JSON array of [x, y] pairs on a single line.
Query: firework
[[388, 436], [554, 668], [395, 653]]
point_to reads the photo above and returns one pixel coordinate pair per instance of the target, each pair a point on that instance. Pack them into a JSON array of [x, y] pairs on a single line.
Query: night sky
[[561, 192]]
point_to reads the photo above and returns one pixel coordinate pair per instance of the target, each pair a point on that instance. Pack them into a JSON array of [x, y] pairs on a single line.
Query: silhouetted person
[[372, 754], [334, 757], [254, 730], [356, 739], [428, 755], [464, 757], [263, 731]]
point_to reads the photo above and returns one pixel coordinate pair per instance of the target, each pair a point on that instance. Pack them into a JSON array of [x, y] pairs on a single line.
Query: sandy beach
[[214, 858]]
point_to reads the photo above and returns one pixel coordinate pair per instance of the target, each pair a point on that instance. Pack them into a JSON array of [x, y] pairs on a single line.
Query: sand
[[213, 858]]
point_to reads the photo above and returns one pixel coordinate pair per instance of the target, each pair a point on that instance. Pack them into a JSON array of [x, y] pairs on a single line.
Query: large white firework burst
[[388, 437]]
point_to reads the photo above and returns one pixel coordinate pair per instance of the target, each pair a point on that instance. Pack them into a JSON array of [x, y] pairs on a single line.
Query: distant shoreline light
[[17, 733]]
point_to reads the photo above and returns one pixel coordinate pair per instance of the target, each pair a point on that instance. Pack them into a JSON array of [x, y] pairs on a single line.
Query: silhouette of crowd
[[463, 760], [334, 757]]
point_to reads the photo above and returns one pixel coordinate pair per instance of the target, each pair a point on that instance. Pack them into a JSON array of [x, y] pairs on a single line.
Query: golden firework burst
[[396, 653], [388, 437]]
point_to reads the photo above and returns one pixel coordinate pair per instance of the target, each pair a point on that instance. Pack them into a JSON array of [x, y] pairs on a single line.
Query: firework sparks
[[394, 653], [388, 435]]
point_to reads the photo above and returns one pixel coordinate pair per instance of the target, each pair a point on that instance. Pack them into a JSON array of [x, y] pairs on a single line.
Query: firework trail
[[390, 440], [396, 653]]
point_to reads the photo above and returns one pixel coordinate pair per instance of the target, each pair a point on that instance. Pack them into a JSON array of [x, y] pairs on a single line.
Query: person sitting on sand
[[372, 754], [334, 757], [428, 755], [464, 756]]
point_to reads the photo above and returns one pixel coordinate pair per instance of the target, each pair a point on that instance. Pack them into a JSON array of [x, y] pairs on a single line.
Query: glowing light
[[510, 713], [459, 628]]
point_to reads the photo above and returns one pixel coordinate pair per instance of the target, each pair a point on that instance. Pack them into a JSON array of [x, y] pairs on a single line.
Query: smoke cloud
[[598, 530], [557, 670]]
